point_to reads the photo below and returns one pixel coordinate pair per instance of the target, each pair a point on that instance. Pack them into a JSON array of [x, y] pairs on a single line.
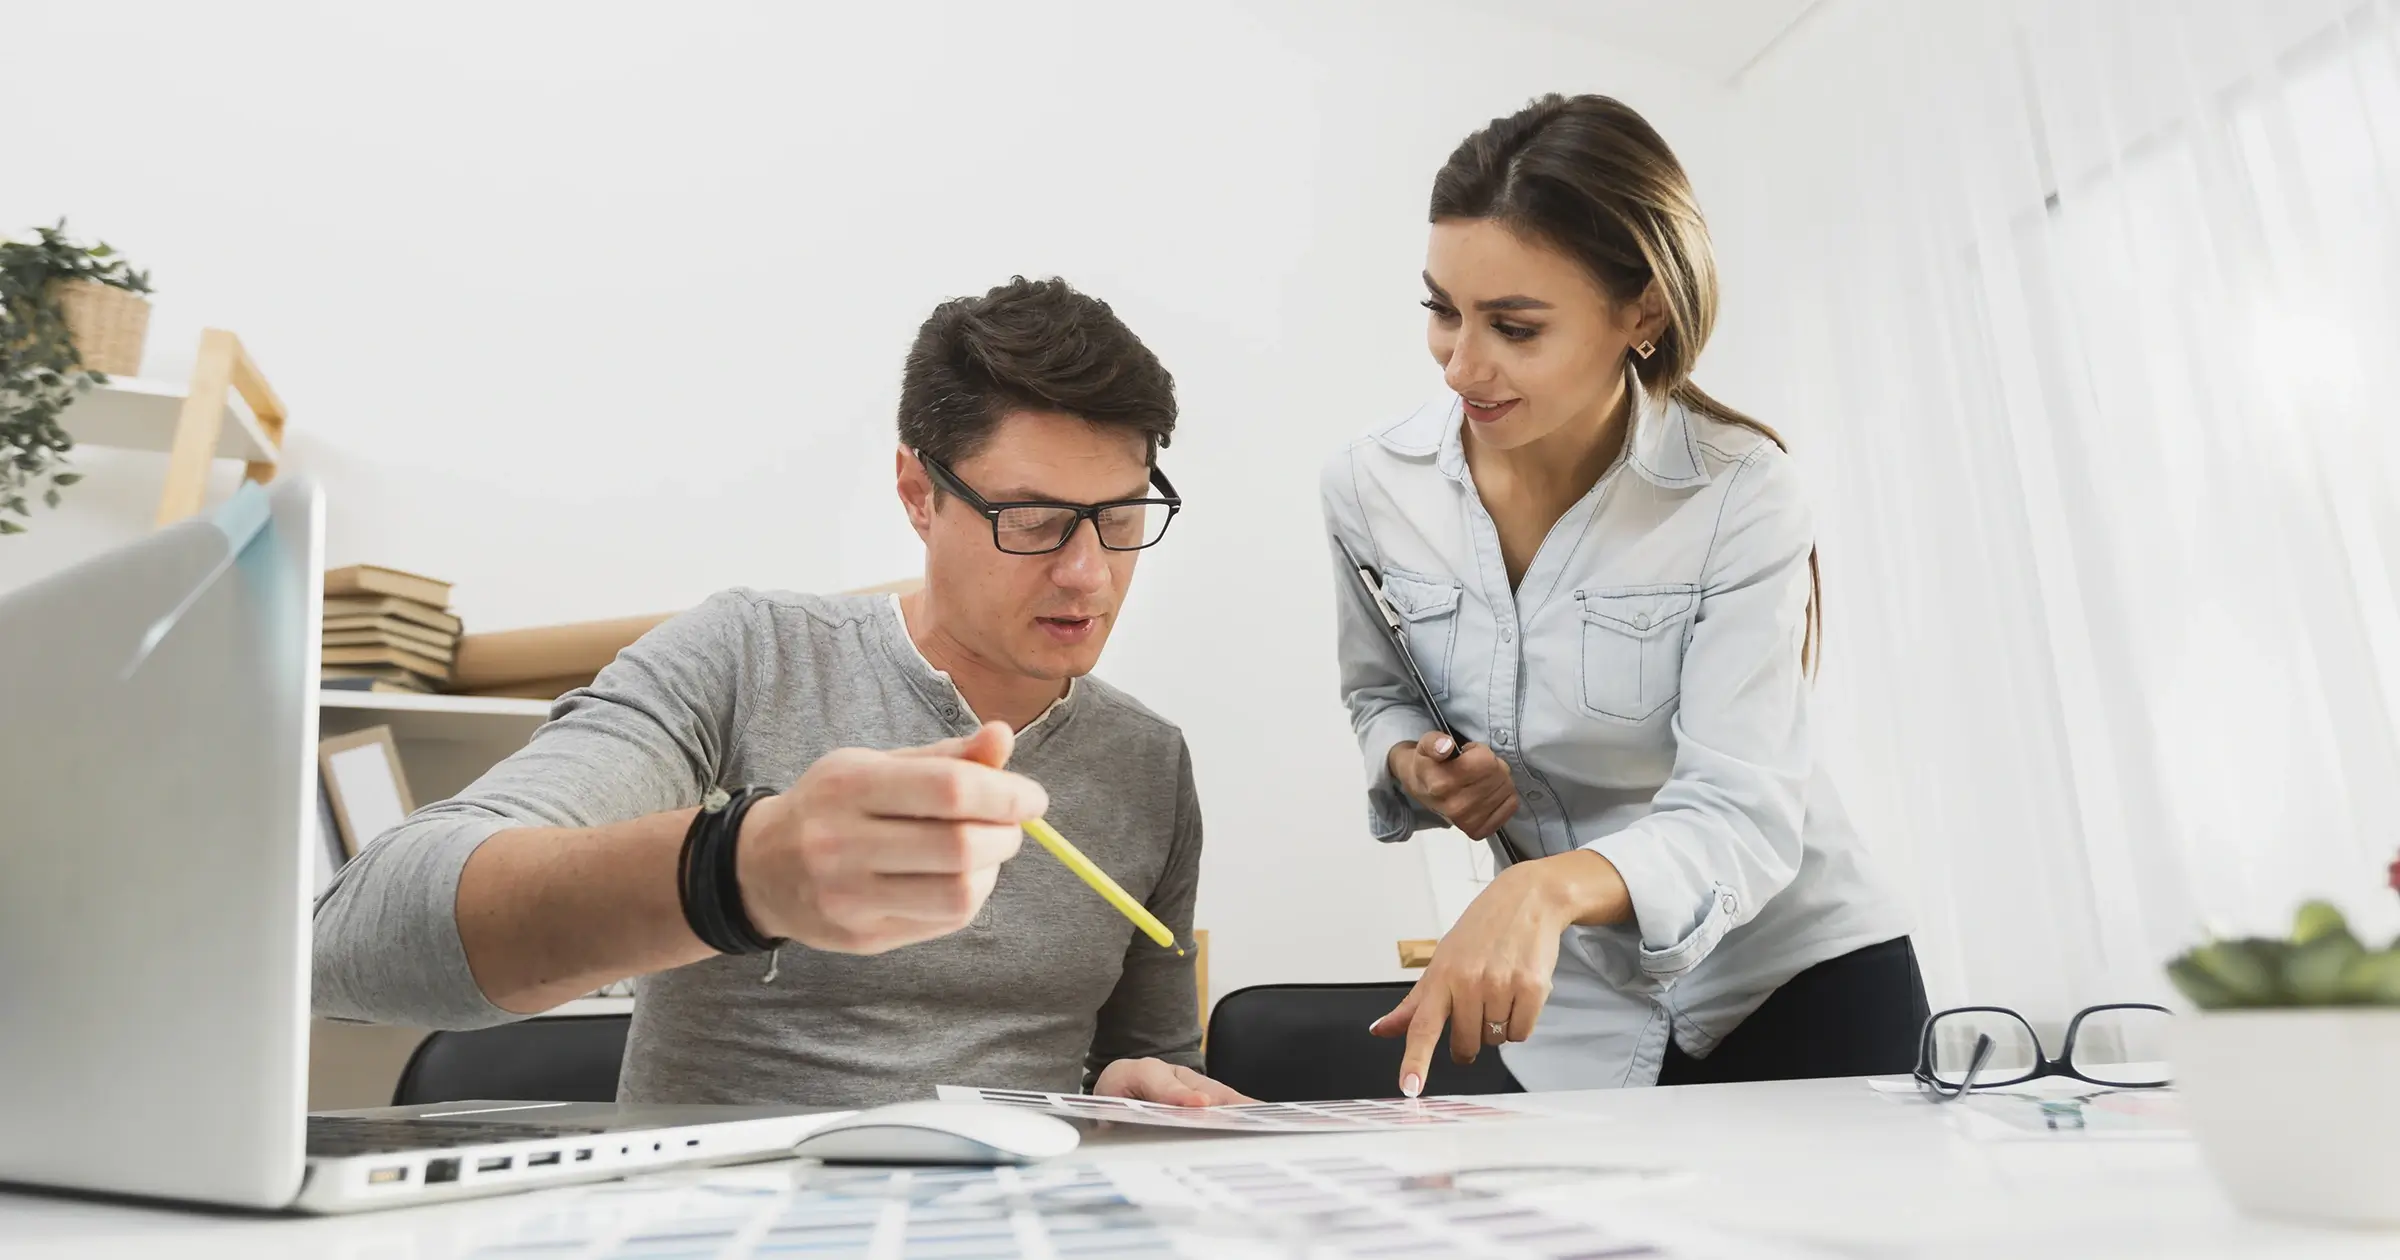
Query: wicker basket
[[108, 325]]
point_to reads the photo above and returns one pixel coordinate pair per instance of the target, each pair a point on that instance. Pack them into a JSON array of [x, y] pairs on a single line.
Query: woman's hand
[[1473, 791], [1490, 975]]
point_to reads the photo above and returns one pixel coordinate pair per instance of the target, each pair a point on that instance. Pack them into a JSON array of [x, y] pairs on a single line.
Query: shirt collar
[[1663, 450], [944, 683]]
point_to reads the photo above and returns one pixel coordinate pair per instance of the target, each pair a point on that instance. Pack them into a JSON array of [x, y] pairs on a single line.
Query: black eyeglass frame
[[990, 511], [2043, 1064]]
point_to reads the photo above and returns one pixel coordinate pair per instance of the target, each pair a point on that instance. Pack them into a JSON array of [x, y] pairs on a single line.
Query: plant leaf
[[2205, 991], [2373, 979], [2252, 968], [2314, 972], [2316, 919]]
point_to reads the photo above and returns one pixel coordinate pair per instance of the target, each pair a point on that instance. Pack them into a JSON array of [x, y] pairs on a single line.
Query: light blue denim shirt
[[1644, 685]]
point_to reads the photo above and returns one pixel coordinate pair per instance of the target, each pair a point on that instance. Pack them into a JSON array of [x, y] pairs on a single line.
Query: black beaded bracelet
[[709, 884]]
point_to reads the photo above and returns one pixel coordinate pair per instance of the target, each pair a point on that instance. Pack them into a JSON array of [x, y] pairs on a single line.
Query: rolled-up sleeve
[[1724, 832], [646, 737], [1384, 707]]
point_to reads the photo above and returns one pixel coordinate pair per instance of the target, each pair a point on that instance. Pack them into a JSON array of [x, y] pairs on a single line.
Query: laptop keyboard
[[358, 1135]]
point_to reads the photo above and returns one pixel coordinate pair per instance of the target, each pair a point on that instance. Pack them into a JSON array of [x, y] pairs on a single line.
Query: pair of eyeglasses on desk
[[2119, 1045]]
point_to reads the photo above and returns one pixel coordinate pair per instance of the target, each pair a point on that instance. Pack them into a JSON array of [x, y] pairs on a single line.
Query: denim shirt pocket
[[1429, 606], [1633, 639]]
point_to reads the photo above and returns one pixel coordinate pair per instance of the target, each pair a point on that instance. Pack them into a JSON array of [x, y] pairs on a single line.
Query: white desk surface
[[1826, 1163]]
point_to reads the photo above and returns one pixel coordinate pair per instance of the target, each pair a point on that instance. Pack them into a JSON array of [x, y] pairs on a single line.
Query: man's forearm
[[548, 914]]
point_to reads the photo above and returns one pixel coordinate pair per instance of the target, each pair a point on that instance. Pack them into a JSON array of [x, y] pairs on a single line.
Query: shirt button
[[1505, 633], [1727, 902], [1641, 621]]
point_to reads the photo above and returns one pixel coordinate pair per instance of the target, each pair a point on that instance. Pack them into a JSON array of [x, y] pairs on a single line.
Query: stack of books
[[387, 631]]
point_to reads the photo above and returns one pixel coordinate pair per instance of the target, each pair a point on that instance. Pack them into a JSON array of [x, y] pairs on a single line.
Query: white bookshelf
[[445, 742], [137, 415], [477, 719]]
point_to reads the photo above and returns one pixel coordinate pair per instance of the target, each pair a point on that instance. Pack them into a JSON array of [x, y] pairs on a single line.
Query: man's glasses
[[2120, 1045], [1037, 528]]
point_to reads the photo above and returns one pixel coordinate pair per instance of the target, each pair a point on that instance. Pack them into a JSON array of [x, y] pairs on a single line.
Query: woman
[[1608, 581]]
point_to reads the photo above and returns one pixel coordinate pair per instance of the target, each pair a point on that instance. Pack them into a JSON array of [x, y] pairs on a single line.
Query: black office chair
[[1309, 1042], [568, 1058]]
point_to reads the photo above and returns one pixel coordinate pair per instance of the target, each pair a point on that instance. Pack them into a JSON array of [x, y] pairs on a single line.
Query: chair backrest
[[568, 1058], [1309, 1042]]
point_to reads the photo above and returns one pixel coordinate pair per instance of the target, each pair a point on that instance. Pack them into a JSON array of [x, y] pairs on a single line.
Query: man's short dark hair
[[1028, 345]]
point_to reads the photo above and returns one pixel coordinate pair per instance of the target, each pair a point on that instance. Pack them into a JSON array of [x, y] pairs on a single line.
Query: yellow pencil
[[1074, 860]]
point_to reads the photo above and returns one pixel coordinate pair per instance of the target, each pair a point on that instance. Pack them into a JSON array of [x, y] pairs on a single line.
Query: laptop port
[[582, 1154], [386, 1176], [692, 1142], [537, 1161], [438, 1171], [495, 1163]]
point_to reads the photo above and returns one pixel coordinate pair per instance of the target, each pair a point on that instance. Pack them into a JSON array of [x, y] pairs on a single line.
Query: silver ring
[[1497, 1028]]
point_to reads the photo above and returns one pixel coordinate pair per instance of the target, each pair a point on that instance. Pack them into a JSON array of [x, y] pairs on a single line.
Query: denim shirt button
[[1641, 621]]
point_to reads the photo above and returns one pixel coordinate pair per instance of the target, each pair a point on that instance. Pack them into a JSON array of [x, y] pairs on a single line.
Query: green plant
[[2320, 964], [40, 371]]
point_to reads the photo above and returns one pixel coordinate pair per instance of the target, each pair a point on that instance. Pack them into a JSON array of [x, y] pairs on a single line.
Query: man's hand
[[1472, 791], [871, 851], [1158, 1081]]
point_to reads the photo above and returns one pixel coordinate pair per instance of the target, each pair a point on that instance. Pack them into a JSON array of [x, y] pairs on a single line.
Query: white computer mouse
[[940, 1133]]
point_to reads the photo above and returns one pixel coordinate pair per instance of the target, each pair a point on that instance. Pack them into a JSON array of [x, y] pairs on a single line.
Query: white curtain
[[2084, 316]]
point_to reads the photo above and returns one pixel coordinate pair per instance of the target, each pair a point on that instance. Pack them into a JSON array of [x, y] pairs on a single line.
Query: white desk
[[1821, 1162]]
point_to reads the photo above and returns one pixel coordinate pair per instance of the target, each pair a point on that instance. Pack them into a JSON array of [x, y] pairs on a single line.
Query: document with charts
[[1349, 1115], [1335, 1207]]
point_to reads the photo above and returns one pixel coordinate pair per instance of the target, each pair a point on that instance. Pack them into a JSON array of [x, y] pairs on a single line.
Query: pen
[[1074, 860]]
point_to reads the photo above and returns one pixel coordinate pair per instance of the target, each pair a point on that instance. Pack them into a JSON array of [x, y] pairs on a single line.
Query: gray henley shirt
[[1048, 984]]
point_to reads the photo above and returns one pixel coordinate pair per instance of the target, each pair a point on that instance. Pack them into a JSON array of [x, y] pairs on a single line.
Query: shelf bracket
[[223, 368]]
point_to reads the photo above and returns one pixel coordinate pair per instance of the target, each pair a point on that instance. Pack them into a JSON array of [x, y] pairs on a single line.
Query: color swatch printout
[[1342, 1207], [1350, 1116]]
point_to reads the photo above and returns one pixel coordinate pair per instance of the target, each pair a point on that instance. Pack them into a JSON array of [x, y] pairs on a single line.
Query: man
[[915, 951]]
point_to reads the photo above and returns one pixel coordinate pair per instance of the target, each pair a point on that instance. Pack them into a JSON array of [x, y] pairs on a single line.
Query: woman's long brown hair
[[1591, 177]]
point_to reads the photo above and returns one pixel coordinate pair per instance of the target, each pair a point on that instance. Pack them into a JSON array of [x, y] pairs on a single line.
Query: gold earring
[[1645, 348]]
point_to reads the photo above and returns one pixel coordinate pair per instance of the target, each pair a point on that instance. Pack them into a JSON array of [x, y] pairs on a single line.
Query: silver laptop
[[157, 811]]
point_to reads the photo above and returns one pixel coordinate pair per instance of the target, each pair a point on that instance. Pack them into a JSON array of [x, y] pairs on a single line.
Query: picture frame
[[361, 775]]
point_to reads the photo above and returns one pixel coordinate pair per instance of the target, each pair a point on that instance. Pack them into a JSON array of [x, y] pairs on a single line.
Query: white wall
[[596, 311]]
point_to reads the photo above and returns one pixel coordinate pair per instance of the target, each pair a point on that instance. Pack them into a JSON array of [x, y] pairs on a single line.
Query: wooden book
[[385, 654], [347, 676], [374, 579], [397, 631], [431, 618], [379, 685], [378, 638]]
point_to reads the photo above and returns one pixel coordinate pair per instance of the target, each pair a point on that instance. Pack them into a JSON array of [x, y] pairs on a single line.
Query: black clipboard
[[1373, 581], [1506, 848]]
